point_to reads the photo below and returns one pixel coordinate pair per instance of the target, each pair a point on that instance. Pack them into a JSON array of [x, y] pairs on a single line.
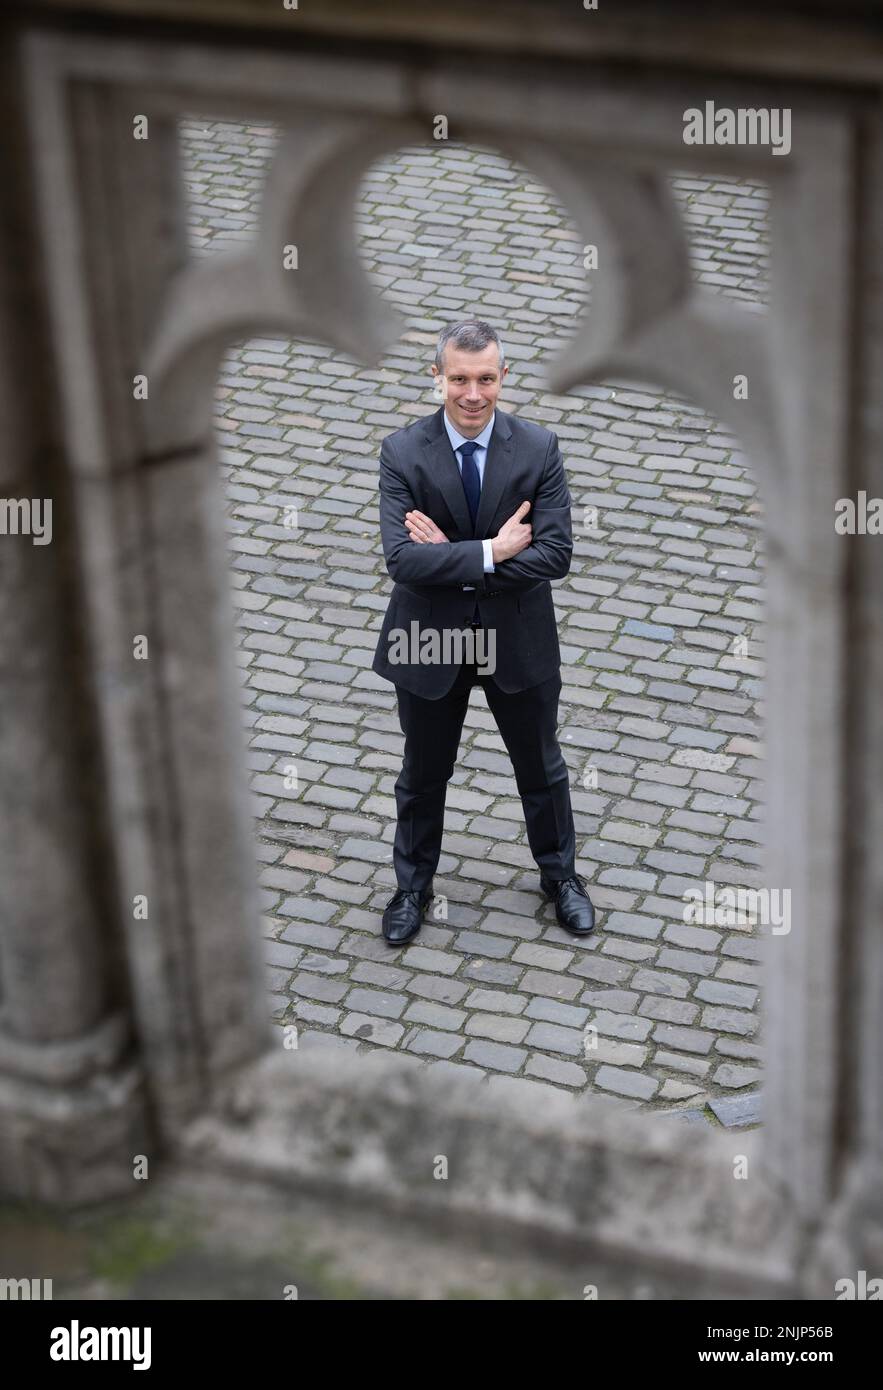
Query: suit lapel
[[497, 466], [445, 472]]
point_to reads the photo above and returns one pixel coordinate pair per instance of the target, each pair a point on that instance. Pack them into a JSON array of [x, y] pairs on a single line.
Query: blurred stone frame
[[179, 1046]]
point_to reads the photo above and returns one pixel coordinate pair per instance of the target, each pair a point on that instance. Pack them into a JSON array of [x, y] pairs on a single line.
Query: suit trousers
[[527, 721]]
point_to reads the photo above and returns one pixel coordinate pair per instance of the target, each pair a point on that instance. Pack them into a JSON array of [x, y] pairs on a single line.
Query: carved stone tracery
[[121, 298]]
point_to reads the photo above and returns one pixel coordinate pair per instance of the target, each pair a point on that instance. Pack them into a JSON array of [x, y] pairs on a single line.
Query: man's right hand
[[514, 536]]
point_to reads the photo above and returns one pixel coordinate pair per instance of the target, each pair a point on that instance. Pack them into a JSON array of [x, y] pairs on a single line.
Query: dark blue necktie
[[471, 480]]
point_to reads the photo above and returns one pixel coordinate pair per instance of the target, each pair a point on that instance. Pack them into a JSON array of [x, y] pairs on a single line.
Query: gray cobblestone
[[694, 938], [435, 1015], [495, 1056], [423, 958], [551, 1011], [319, 987], [621, 1001], [375, 1001], [495, 1000], [387, 976], [280, 954], [426, 1040], [480, 943], [661, 982], [553, 1069], [687, 1039], [613, 1025], [370, 1029], [739, 1111], [492, 972], [553, 1038], [546, 957], [718, 992], [619, 1053], [323, 965], [306, 1011], [729, 1021], [436, 987], [736, 1047], [728, 1074], [626, 1083], [498, 1027], [668, 1010], [556, 986], [687, 962], [677, 1061]]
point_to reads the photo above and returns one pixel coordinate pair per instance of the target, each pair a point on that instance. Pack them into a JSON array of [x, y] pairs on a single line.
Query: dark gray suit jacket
[[419, 471]]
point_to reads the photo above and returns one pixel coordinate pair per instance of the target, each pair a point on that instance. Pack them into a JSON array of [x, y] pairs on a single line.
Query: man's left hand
[[423, 529]]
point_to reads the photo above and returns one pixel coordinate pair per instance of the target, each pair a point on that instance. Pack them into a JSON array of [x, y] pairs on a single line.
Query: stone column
[[849, 1237], [71, 1103], [156, 610]]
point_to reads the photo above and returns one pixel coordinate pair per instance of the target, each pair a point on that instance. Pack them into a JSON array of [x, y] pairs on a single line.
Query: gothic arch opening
[[659, 720]]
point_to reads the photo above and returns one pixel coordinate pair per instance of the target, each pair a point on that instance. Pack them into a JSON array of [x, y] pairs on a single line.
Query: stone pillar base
[[73, 1117]]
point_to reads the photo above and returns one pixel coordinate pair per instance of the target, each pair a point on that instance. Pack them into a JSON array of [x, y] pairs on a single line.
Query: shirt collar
[[457, 439]]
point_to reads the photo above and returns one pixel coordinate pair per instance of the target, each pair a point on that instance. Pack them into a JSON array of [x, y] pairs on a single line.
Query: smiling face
[[471, 384]]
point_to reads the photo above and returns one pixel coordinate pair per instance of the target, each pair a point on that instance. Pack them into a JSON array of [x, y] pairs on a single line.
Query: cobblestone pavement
[[658, 616]]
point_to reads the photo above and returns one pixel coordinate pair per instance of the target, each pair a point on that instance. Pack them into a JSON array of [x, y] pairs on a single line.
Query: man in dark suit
[[475, 521]]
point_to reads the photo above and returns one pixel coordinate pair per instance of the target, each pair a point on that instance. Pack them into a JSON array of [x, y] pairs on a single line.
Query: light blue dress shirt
[[480, 455]]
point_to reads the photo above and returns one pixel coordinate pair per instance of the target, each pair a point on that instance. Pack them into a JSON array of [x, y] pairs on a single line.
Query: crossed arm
[[417, 552]]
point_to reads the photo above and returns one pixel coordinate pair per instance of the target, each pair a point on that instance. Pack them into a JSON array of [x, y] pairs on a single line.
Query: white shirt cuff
[[488, 548]]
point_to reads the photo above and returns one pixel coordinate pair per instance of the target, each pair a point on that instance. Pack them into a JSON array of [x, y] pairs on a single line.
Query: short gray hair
[[471, 335]]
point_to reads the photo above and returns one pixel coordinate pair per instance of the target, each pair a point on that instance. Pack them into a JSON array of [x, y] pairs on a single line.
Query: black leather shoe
[[404, 914], [573, 906]]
